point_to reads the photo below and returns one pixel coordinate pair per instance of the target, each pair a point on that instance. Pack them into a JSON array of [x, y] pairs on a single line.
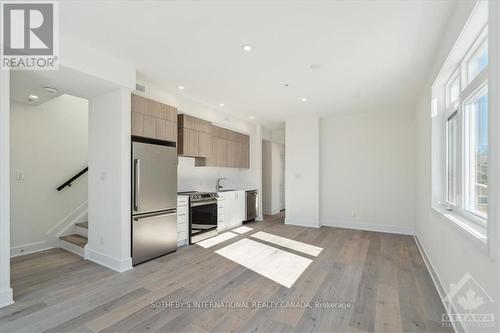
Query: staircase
[[76, 242]]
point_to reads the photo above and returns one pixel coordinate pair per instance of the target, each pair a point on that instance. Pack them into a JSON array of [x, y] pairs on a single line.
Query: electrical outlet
[[102, 240], [353, 214], [19, 175]]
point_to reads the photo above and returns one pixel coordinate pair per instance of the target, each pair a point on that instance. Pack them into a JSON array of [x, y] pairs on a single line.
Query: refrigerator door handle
[[137, 182], [172, 211]]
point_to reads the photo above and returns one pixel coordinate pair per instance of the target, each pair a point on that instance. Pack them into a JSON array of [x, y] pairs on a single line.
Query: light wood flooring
[[381, 275]]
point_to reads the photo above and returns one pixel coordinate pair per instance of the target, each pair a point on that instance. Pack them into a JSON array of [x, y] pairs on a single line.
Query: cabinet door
[[149, 127], [242, 205], [204, 144], [220, 146], [189, 143], [245, 156], [166, 130], [137, 124], [139, 104]]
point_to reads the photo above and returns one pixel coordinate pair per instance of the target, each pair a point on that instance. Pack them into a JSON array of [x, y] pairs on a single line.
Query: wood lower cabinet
[[154, 120]]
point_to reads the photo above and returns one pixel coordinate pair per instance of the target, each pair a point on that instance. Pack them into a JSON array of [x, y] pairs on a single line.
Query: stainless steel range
[[202, 215]]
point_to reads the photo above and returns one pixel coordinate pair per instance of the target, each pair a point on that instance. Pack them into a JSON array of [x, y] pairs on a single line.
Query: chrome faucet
[[219, 186]]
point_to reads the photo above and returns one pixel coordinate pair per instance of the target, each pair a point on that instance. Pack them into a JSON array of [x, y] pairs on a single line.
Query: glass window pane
[[477, 155], [452, 158], [477, 62]]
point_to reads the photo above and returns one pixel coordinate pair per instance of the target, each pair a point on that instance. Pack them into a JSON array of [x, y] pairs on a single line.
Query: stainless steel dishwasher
[[252, 205]]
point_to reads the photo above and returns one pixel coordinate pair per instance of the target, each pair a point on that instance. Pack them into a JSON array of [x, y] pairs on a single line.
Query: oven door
[[203, 219]]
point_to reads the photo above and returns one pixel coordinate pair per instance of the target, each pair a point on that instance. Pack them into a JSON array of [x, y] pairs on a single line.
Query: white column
[[109, 180], [256, 162], [302, 172], [5, 289]]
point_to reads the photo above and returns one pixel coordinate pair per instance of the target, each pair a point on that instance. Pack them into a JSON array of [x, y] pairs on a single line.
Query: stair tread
[[75, 239], [83, 225]]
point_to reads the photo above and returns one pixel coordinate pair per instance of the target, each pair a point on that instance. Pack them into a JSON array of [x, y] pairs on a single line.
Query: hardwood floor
[[381, 276]]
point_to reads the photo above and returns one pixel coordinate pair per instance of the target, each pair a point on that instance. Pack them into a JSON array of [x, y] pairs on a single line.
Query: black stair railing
[[69, 182]]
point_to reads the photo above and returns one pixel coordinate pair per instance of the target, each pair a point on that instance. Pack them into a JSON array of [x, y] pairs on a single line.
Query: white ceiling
[[372, 54]]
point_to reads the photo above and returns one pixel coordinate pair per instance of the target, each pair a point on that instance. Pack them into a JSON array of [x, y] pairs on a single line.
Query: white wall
[[367, 171], [450, 250], [49, 144], [5, 289], [302, 171], [204, 178], [109, 203], [271, 176], [192, 178]]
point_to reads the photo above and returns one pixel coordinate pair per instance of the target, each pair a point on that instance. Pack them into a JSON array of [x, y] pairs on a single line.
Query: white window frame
[[467, 91], [454, 112], [473, 216]]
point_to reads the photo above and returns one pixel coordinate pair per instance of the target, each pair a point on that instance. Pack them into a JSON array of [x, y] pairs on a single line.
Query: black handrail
[[72, 179]]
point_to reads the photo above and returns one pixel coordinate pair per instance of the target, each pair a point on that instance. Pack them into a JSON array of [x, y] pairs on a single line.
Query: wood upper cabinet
[[188, 142], [204, 144], [195, 136], [229, 149], [212, 145], [154, 120]]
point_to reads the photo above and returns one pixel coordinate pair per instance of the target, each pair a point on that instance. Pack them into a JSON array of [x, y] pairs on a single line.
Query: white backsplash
[[191, 178]]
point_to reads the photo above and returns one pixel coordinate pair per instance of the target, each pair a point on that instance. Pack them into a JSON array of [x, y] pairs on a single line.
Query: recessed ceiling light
[[181, 87], [33, 96], [247, 47], [50, 90], [221, 104], [252, 117], [303, 99]]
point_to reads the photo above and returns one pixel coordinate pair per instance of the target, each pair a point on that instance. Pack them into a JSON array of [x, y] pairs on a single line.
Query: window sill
[[472, 229]]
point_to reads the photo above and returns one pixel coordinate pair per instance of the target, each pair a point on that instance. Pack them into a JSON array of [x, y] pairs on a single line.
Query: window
[[476, 153], [452, 158], [460, 134], [477, 62]]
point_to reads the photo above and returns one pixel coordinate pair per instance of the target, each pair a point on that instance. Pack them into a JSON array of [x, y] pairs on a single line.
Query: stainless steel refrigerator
[[154, 200]]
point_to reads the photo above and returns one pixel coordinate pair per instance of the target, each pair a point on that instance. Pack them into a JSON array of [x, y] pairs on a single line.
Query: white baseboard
[[301, 222], [438, 284], [272, 212], [6, 297], [21, 250], [392, 229], [107, 261]]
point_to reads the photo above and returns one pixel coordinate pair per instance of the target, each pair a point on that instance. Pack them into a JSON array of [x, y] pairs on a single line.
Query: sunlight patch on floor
[[216, 240], [288, 243], [275, 264], [242, 230]]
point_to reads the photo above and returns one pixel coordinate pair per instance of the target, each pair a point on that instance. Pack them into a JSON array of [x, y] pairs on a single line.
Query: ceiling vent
[[140, 87]]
